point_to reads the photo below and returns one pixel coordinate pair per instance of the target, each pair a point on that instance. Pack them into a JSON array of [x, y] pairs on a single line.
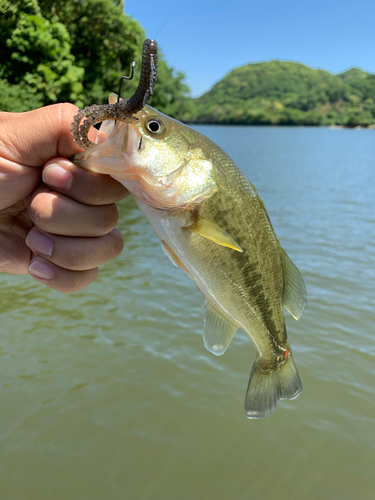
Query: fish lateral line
[[162, 175]]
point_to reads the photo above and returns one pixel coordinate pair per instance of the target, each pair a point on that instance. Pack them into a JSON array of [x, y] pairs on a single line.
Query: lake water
[[110, 394]]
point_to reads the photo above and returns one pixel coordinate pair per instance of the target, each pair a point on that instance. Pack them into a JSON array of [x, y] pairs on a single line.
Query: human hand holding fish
[[214, 226], [57, 221]]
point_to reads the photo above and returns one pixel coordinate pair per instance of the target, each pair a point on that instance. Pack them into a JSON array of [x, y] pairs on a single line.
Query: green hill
[[287, 93]]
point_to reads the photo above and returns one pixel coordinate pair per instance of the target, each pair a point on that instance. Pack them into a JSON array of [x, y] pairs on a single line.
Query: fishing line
[[162, 26], [168, 19], [133, 63]]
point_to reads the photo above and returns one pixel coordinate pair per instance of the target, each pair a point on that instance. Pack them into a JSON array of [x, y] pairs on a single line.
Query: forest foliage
[[75, 50], [288, 93]]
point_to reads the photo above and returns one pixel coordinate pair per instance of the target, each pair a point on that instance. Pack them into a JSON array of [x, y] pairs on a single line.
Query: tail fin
[[266, 387]]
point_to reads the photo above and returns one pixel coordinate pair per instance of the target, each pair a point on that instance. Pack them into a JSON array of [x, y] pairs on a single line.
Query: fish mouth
[[132, 140], [115, 144]]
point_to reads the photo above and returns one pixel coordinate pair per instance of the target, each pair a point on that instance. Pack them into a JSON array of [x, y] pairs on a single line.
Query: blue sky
[[206, 39]]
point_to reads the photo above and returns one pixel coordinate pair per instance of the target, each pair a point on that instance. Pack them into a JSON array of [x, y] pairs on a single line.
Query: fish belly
[[230, 281]]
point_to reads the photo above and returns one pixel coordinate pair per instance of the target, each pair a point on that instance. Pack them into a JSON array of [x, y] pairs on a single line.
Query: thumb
[[32, 138], [29, 140]]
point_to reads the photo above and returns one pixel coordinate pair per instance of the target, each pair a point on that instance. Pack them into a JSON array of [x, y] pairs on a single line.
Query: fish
[[213, 225]]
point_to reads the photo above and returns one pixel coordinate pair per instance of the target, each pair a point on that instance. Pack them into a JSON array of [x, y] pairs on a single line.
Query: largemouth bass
[[213, 225]]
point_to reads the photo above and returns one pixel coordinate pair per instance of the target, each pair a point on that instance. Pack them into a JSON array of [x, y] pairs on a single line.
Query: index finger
[[82, 185]]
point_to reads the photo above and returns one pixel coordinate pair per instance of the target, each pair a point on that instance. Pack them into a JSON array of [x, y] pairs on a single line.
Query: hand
[[57, 220]]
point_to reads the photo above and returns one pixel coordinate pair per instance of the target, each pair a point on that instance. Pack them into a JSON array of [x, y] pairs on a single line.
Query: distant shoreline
[[338, 127], [282, 93]]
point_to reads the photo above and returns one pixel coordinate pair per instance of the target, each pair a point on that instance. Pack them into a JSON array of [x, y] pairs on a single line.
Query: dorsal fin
[[295, 296]]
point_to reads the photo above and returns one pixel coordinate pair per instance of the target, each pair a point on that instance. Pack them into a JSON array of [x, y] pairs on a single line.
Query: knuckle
[[117, 242], [110, 217], [77, 282], [41, 209], [81, 279], [64, 110], [99, 191], [89, 187], [61, 112], [79, 258]]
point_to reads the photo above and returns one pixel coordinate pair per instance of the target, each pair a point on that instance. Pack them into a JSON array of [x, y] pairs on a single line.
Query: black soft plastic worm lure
[[125, 109]]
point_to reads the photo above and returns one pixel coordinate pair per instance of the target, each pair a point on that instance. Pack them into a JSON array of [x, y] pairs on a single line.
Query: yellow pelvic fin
[[213, 232]]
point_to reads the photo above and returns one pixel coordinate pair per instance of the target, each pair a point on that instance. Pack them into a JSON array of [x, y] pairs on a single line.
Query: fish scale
[[213, 225]]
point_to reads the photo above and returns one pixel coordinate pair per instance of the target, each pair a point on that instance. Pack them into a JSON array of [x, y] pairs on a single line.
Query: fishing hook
[[123, 110], [125, 78]]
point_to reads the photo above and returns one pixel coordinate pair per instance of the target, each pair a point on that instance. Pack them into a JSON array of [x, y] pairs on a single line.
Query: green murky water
[[110, 394]]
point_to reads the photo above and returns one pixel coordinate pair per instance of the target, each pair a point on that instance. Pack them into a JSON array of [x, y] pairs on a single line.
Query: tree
[[39, 55], [287, 93], [18, 98], [104, 41], [76, 50]]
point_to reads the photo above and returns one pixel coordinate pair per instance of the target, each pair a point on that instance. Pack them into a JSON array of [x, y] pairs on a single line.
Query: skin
[[191, 192], [57, 221], [245, 287]]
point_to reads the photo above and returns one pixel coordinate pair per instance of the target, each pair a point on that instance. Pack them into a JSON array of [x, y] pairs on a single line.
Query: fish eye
[[155, 126]]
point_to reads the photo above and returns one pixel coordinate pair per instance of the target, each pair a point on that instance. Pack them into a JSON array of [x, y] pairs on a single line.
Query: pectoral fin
[[213, 232], [218, 332], [295, 297]]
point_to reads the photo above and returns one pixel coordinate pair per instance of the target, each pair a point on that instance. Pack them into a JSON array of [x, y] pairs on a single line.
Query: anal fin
[[213, 232], [218, 331]]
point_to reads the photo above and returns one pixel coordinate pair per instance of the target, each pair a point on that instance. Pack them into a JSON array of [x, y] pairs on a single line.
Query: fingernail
[[39, 243], [41, 270], [57, 177]]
